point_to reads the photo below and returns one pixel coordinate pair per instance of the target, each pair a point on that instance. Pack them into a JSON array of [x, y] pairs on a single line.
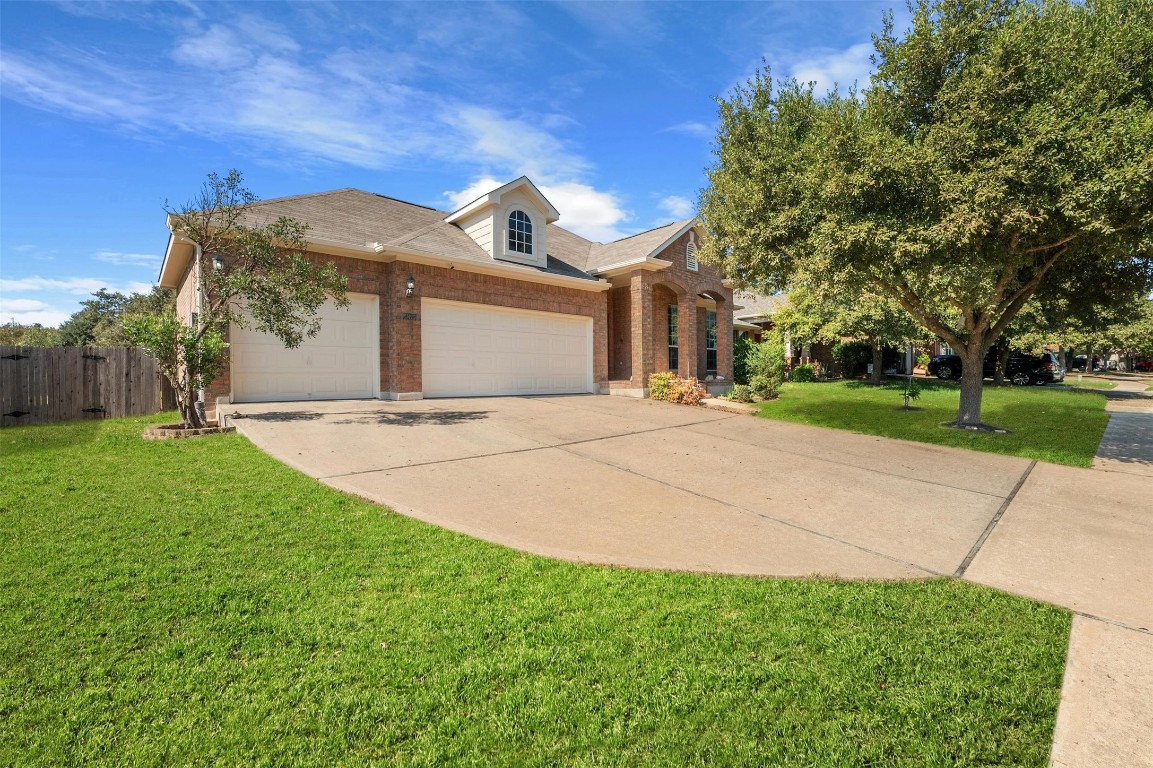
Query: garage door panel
[[340, 362], [476, 350]]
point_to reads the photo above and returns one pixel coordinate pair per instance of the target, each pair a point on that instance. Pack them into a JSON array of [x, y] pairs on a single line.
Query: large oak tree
[[998, 143]]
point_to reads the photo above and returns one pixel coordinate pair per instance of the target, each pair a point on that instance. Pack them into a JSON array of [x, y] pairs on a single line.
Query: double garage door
[[466, 350], [477, 350]]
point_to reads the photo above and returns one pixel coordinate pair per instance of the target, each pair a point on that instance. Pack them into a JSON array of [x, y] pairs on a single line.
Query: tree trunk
[[878, 358], [972, 381], [1002, 360], [1089, 360], [188, 408]]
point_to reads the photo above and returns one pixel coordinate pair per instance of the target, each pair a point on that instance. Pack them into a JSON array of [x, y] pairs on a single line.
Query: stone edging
[[178, 431]]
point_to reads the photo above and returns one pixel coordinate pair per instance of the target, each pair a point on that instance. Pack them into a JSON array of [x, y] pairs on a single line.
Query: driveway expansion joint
[[514, 451], [964, 566]]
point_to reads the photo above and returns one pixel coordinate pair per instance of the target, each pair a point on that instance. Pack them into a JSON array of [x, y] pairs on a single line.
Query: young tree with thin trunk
[[998, 143], [250, 270]]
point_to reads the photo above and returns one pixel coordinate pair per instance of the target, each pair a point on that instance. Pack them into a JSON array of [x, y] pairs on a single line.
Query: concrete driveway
[[643, 484]]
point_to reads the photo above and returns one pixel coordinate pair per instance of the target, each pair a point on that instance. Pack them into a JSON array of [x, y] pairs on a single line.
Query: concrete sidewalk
[[651, 485]]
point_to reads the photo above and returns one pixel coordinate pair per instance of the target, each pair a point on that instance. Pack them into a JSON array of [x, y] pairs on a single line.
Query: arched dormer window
[[519, 233], [691, 252]]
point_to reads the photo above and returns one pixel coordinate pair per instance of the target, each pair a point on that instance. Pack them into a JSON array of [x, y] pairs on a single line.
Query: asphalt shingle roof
[[354, 217]]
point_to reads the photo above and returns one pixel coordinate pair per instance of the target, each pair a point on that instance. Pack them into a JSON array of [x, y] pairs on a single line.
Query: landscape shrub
[[802, 374], [854, 357], [742, 348], [660, 384], [742, 393], [673, 389], [765, 365]]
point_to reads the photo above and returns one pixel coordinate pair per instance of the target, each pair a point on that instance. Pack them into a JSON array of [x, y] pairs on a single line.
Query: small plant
[[660, 385], [742, 393], [923, 360], [802, 374], [912, 391]]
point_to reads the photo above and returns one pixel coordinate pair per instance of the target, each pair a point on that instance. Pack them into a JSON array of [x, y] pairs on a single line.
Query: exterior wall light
[[217, 263], [410, 286]]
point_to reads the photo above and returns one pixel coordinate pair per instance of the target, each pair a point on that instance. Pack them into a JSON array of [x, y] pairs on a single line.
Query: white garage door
[[342, 361], [473, 349]]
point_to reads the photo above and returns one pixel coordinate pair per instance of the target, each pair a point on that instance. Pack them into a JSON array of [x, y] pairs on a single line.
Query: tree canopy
[[999, 144]]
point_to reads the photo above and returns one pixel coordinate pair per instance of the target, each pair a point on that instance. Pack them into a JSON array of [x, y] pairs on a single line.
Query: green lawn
[[194, 601], [1073, 381], [1047, 423]]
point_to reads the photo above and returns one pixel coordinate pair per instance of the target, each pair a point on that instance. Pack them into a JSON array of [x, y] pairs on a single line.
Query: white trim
[[648, 263], [493, 198]]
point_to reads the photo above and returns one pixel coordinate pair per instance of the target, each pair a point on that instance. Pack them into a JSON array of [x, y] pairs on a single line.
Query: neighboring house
[[491, 299], [753, 316]]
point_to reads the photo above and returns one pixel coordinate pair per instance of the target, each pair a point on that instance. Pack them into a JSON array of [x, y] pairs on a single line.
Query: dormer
[[509, 223]]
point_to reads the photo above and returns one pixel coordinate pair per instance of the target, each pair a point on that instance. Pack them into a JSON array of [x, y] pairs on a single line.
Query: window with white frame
[[519, 233]]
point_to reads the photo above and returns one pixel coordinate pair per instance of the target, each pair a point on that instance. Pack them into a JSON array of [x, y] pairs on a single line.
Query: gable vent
[[691, 254]]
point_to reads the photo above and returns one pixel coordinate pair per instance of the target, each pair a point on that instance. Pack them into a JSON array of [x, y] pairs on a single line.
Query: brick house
[[491, 299]]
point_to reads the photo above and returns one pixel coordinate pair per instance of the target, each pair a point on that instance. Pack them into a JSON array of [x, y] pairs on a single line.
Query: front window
[[711, 341], [519, 232], [674, 353]]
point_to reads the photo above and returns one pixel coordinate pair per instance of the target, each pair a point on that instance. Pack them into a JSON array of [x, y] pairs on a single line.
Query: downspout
[[198, 255]]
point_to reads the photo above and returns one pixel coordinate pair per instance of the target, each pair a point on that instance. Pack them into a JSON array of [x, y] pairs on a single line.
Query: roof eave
[[647, 263]]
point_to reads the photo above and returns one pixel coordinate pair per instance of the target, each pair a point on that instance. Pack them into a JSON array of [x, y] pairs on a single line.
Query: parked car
[[1050, 368], [1021, 369], [1145, 366], [1080, 361]]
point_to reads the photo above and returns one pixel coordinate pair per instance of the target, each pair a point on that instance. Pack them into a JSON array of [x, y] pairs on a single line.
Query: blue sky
[[109, 109]]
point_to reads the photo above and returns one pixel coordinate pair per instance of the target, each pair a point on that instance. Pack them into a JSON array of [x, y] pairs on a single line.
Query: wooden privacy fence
[[40, 385]]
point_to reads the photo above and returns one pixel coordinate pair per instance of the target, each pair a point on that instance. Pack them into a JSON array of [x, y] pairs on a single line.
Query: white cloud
[[692, 128], [589, 212], [28, 312], [248, 81], [479, 187], [676, 206], [129, 259], [76, 286], [218, 47], [516, 145], [841, 68]]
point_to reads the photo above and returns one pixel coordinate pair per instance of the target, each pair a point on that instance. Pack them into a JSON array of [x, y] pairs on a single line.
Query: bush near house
[[765, 365], [802, 374], [672, 388]]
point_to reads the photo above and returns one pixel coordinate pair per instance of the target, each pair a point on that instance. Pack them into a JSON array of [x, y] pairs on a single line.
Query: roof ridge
[[344, 189], [681, 223]]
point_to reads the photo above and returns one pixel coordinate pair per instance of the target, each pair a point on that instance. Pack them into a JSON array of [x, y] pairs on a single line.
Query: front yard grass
[[1047, 423], [1074, 381], [194, 601]]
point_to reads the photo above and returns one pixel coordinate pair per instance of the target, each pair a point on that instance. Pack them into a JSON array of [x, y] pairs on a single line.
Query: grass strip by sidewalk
[[194, 601], [1046, 423], [1074, 381]]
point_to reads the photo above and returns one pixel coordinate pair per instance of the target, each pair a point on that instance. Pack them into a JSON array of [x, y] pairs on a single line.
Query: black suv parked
[[1021, 369]]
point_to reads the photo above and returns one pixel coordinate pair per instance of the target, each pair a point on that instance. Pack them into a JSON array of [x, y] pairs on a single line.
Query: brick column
[[725, 340], [687, 332], [641, 308]]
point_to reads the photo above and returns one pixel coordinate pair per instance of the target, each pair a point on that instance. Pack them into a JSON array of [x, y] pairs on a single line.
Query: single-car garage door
[[477, 350], [341, 362]]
